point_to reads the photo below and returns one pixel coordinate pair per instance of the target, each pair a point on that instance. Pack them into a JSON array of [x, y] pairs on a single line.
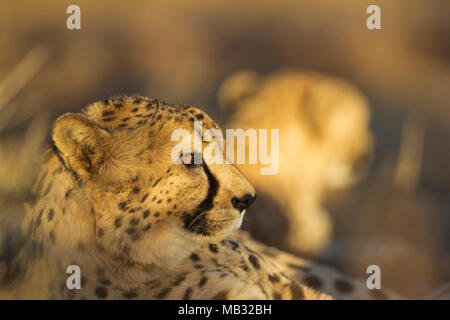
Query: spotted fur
[[319, 277], [110, 200]]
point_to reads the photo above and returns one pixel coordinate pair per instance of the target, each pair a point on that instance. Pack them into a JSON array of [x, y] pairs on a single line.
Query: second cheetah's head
[[146, 194], [323, 121]]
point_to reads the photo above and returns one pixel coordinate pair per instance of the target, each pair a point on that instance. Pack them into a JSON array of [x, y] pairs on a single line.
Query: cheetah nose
[[243, 202]]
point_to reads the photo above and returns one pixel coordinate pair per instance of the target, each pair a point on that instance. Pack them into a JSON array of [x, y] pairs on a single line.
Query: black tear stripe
[[205, 205]]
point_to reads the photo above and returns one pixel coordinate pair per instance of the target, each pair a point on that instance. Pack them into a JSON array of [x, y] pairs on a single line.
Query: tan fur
[[325, 142], [319, 277], [110, 200]]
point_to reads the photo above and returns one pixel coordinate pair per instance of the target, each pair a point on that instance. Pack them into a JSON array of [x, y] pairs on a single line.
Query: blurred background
[[398, 217]]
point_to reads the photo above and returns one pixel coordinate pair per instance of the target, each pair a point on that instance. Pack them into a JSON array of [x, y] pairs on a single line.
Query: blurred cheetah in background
[[324, 144]]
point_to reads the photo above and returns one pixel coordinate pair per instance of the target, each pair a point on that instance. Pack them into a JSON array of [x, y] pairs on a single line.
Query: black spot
[[122, 206], [100, 232], [254, 261], [179, 280], [134, 221], [343, 286], [147, 227], [194, 257], [202, 282], [137, 100], [243, 266], [274, 278], [297, 291], [156, 182], [234, 245], [187, 294], [163, 293], [51, 214], [130, 295], [312, 281], [107, 113], [146, 213], [118, 222], [144, 197], [222, 295], [156, 214], [199, 116], [68, 193], [126, 119], [276, 296], [101, 292], [39, 218], [108, 119], [47, 190], [135, 109], [169, 213], [213, 248], [135, 190], [131, 230]]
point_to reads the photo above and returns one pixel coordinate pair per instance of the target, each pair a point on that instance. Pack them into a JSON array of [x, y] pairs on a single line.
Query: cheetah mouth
[[201, 224], [196, 221]]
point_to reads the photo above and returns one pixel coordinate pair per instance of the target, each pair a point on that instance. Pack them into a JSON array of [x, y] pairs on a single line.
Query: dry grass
[[19, 153]]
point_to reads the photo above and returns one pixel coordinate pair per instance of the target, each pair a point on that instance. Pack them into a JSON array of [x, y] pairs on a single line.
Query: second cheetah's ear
[[237, 86], [80, 143]]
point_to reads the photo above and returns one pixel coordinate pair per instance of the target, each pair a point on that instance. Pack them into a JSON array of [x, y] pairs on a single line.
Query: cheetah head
[[144, 202]]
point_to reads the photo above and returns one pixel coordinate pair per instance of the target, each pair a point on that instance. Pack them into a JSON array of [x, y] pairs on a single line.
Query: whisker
[[195, 220]]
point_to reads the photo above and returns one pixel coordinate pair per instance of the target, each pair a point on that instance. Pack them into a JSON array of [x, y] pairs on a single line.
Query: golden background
[[398, 217]]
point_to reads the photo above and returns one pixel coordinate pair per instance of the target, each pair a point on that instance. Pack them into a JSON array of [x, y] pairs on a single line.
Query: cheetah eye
[[188, 159]]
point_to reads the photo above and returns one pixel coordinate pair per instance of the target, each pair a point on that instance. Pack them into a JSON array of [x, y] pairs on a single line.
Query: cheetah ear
[[237, 86], [80, 143]]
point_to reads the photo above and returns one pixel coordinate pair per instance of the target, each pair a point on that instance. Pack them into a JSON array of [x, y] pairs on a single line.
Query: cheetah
[[324, 144], [110, 199], [322, 278]]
